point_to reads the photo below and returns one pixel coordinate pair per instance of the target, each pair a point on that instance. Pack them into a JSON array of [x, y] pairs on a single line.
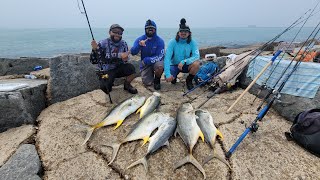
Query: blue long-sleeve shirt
[[178, 52], [152, 52]]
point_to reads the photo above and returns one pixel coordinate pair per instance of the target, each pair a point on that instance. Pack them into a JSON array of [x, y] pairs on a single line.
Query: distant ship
[[252, 26]]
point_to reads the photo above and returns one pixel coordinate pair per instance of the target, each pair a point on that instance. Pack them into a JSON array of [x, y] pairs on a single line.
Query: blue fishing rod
[[260, 50], [103, 76], [254, 125]]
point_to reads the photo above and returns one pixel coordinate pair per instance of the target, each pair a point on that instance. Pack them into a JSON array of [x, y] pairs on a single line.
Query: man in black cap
[[182, 55], [111, 56]]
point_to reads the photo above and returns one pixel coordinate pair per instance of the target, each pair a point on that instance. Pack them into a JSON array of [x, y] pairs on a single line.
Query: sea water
[[16, 43]]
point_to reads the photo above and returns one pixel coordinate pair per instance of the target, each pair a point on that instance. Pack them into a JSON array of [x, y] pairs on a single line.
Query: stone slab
[[21, 106], [24, 164], [11, 139]]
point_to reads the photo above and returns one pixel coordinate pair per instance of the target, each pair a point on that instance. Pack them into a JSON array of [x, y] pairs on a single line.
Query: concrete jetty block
[[23, 65], [23, 103]]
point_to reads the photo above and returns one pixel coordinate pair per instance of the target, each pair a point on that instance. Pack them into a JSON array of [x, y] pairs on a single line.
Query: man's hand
[[169, 79], [143, 42], [180, 65], [125, 56], [94, 45]]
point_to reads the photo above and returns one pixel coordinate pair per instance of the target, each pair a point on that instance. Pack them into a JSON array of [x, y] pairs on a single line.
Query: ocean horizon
[[50, 42]]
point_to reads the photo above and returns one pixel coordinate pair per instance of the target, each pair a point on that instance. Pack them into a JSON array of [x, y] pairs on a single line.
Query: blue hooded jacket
[[154, 49], [178, 52]]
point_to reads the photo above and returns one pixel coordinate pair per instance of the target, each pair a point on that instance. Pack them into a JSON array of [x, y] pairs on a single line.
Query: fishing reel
[[101, 73], [254, 127]]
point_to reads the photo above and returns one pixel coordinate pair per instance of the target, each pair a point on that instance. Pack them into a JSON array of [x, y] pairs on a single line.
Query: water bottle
[[30, 76], [37, 68]]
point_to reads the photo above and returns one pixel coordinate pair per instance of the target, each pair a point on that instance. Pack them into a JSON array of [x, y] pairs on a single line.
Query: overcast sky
[[166, 13]]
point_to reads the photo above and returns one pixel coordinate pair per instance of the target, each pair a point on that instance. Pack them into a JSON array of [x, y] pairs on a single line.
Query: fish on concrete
[[140, 130], [189, 131], [150, 105], [160, 138], [117, 114], [210, 132]]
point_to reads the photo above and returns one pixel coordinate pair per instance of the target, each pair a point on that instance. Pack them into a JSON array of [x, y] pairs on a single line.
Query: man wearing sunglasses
[[181, 56], [151, 47], [111, 56]]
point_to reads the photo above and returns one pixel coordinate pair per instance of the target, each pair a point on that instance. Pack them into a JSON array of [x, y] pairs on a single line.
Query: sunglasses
[[184, 31], [118, 33], [150, 28]]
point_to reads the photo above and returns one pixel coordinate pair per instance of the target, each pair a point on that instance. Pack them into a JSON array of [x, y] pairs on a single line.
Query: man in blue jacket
[[151, 47], [111, 56], [181, 56]]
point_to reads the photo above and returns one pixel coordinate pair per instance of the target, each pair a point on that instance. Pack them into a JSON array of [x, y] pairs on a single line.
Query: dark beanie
[[183, 26]]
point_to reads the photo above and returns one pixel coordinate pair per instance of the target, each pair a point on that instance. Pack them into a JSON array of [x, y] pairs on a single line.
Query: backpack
[[305, 130], [205, 72]]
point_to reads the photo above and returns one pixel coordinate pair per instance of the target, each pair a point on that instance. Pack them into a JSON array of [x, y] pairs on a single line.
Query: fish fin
[[118, 124], [215, 155], [89, 133], [140, 161], [201, 135], [176, 132], [139, 110], [166, 144], [190, 159], [145, 140], [115, 148], [219, 134], [207, 159]]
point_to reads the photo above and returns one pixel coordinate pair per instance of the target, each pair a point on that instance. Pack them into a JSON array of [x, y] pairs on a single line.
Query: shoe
[[128, 87], [189, 82], [174, 81], [156, 83]]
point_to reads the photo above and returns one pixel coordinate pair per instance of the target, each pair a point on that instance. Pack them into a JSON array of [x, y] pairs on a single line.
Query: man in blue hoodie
[[151, 47], [181, 56]]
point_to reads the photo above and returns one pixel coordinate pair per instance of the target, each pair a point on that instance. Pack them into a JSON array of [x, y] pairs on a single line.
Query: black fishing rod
[[254, 125], [299, 61], [85, 12], [260, 49], [264, 85], [104, 76]]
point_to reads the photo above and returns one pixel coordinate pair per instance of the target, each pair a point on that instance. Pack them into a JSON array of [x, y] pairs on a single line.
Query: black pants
[[121, 70]]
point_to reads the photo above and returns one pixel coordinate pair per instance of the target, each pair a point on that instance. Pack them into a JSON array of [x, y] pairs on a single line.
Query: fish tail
[[140, 161], [190, 159], [215, 155], [90, 130], [115, 148]]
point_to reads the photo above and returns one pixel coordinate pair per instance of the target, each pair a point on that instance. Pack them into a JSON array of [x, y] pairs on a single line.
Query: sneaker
[[189, 82], [174, 81], [156, 83], [128, 87]]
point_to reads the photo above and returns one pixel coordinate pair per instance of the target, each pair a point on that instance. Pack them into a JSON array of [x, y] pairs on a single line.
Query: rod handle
[[234, 147]]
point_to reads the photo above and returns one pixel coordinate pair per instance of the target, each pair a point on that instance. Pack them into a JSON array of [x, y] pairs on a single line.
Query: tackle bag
[[205, 72], [305, 130]]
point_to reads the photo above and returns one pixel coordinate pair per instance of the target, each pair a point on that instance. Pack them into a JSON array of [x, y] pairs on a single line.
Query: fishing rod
[[264, 85], [254, 125], [104, 76], [264, 46], [255, 79], [284, 71], [224, 88]]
